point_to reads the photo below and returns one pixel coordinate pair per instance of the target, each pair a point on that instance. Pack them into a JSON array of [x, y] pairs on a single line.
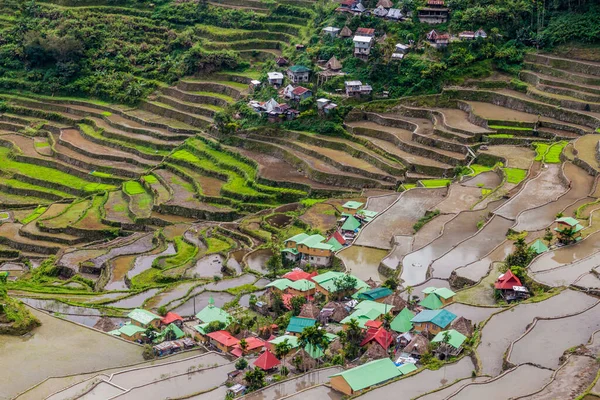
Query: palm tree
[[387, 320], [314, 336], [282, 349], [243, 345]]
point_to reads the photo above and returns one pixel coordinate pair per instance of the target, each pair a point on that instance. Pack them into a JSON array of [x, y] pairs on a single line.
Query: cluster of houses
[[318, 250], [440, 40], [434, 12]]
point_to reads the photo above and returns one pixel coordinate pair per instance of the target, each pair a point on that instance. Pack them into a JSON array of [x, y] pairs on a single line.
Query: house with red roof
[[254, 345], [378, 335], [172, 318], [510, 287], [370, 32], [222, 340], [267, 361], [296, 274], [300, 93], [376, 324]]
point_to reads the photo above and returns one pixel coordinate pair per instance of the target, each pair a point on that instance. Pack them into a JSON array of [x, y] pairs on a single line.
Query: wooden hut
[[463, 325], [418, 346], [333, 311], [345, 32], [105, 324], [303, 361], [310, 310], [396, 301], [374, 352]]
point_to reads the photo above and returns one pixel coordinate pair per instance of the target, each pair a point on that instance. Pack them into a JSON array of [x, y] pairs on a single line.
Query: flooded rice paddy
[[431, 231], [187, 309], [380, 203], [172, 294], [134, 301], [547, 341], [487, 180], [362, 261], [295, 385], [567, 274], [566, 255], [473, 313], [505, 327], [444, 393], [67, 345], [143, 263], [257, 260], [460, 198], [207, 267], [423, 382], [402, 246]]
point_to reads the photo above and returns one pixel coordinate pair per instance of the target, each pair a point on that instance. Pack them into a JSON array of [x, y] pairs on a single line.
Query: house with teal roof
[[351, 207], [432, 321], [366, 311], [355, 380], [377, 294], [326, 283], [144, 318], [568, 226], [209, 314], [297, 325]]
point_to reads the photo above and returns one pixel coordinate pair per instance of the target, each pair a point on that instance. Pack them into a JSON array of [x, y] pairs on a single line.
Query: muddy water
[[478, 269], [414, 265], [187, 309], [318, 392], [74, 258], [73, 350], [120, 266], [207, 267], [460, 198], [58, 307], [567, 274], [279, 220], [430, 231], [363, 261], [215, 394], [540, 218], [488, 180], [192, 237], [231, 283], [180, 386], [399, 218], [444, 393], [135, 300], [103, 390], [258, 259], [512, 383], [175, 293], [423, 382], [475, 314], [543, 188], [490, 236], [483, 292], [547, 341], [507, 326], [291, 386], [566, 255], [589, 281], [139, 246], [140, 376], [380, 203], [402, 247], [234, 262], [143, 263]]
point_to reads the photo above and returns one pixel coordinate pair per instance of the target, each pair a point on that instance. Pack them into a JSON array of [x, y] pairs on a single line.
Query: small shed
[[333, 64], [267, 361], [310, 310], [418, 346], [345, 32], [331, 31]]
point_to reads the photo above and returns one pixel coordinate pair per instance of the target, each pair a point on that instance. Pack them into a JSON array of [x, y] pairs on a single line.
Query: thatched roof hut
[[333, 311], [397, 301], [385, 3], [333, 64], [463, 325], [335, 347], [303, 361], [105, 324], [375, 352], [309, 310], [372, 284], [345, 32], [419, 345]]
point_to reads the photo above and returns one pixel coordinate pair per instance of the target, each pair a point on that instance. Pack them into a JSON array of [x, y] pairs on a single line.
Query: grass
[[435, 183], [70, 216], [540, 150], [478, 169], [185, 252], [310, 202], [243, 289], [221, 96], [101, 174], [515, 175], [407, 186], [34, 215], [133, 187], [150, 179], [4, 215], [512, 128], [88, 130], [216, 245], [48, 174], [501, 136], [553, 154], [41, 144]]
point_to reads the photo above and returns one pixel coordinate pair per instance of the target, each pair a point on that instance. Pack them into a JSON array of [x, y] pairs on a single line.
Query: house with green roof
[[292, 341], [351, 207], [302, 287], [378, 294], [538, 247], [308, 249], [144, 318], [209, 314], [132, 332], [450, 343], [440, 297], [401, 323], [366, 215], [432, 321], [568, 226], [280, 284], [365, 376], [297, 325], [366, 311], [351, 225], [326, 283], [171, 332], [298, 73], [407, 368]]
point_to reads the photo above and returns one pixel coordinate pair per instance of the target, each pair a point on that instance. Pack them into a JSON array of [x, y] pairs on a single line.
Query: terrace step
[[547, 101], [559, 73], [194, 108], [564, 100], [32, 231], [150, 119], [130, 125], [10, 236], [227, 88], [567, 64], [139, 138], [225, 4], [248, 45], [20, 188], [10, 200], [73, 139], [538, 78], [319, 165], [199, 97], [168, 111]]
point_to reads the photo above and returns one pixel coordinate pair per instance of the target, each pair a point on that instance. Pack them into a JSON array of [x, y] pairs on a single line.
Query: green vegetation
[[511, 128], [133, 187], [100, 174], [514, 175], [34, 215], [553, 154], [151, 179], [216, 245], [185, 253], [435, 183], [15, 318], [541, 149], [41, 144], [429, 215], [501, 136]]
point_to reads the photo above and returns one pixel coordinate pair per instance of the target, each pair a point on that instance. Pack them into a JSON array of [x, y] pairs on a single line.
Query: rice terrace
[[299, 199]]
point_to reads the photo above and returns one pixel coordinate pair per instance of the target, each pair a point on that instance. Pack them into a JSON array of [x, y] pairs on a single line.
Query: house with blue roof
[[432, 321]]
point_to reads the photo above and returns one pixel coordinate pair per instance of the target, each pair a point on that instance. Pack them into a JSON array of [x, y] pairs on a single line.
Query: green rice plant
[[221, 96], [41, 144], [216, 245], [48, 174], [133, 187], [34, 215], [150, 179], [4, 215], [101, 174], [511, 128], [69, 216], [311, 202], [407, 186], [435, 183], [540, 150], [485, 192], [501, 136], [14, 183], [515, 175], [185, 253], [554, 152]]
